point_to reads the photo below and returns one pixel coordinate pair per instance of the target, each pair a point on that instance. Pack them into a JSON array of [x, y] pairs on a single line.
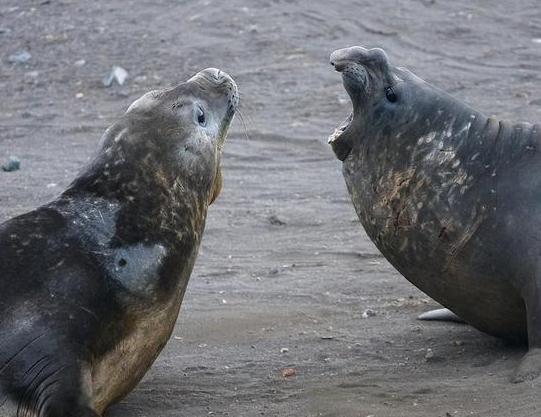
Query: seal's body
[[450, 197], [91, 283]]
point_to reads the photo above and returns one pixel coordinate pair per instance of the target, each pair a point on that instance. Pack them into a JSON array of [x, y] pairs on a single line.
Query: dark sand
[[259, 286]]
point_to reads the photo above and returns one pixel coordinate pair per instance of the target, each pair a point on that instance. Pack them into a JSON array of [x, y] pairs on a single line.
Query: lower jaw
[[338, 140], [341, 149], [217, 186]]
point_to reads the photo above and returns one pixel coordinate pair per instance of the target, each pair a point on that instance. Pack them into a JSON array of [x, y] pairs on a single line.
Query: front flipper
[[36, 382], [65, 392], [440, 314]]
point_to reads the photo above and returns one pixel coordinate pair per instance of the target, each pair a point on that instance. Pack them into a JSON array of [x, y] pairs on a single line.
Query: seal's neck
[[154, 200], [149, 209], [135, 162]]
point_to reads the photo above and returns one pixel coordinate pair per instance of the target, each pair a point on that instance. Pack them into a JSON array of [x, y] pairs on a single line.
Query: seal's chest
[[388, 202], [118, 371]]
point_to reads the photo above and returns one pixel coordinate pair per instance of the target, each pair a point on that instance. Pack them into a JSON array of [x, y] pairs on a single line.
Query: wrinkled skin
[[450, 197], [91, 283]]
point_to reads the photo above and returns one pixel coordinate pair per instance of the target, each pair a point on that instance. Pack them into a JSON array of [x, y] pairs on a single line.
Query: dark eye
[[391, 96], [201, 116]]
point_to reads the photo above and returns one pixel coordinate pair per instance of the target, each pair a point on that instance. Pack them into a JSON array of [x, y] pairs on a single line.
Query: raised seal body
[[91, 283], [450, 197]]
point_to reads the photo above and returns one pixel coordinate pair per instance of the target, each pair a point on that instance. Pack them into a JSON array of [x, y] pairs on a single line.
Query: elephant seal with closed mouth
[[450, 197], [91, 283]]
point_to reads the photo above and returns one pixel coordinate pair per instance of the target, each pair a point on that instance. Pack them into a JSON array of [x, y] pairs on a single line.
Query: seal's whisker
[[243, 104], [241, 107], [241, 117]]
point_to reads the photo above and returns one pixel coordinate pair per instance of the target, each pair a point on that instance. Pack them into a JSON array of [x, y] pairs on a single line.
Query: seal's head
[[386, 100], [190, 122], [171, 138]]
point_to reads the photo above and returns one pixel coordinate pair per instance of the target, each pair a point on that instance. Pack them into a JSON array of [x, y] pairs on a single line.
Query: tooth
[[334, 135]]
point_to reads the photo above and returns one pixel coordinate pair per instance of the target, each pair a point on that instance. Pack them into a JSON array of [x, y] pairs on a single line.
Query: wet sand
[[284, 261]]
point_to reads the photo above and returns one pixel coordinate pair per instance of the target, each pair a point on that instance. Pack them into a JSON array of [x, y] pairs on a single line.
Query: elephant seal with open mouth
[[91, 283], [450, 197]]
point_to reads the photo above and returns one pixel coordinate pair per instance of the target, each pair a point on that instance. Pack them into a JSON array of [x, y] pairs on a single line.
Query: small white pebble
[[368, 313]]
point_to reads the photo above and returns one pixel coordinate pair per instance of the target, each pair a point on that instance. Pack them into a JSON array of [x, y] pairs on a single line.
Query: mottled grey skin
[[91, 283], [450, 197]]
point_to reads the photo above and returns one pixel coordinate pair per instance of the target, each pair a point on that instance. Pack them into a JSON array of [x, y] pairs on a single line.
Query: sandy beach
[[285, 270]]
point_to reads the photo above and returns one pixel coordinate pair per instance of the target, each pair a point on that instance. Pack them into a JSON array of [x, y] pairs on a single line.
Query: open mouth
[[340, 129], [338, 139], [350, 62]]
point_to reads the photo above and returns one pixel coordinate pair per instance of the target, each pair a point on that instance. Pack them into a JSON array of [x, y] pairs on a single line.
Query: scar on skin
[[464, 239], [391, 190], [397, 182]]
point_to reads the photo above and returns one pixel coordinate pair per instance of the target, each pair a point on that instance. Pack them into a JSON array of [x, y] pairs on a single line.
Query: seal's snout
[[342, 57], [219, 81], [339, 65], [214, 76]]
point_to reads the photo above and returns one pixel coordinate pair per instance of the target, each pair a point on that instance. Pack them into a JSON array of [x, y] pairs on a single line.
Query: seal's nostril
[[340, 65]]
